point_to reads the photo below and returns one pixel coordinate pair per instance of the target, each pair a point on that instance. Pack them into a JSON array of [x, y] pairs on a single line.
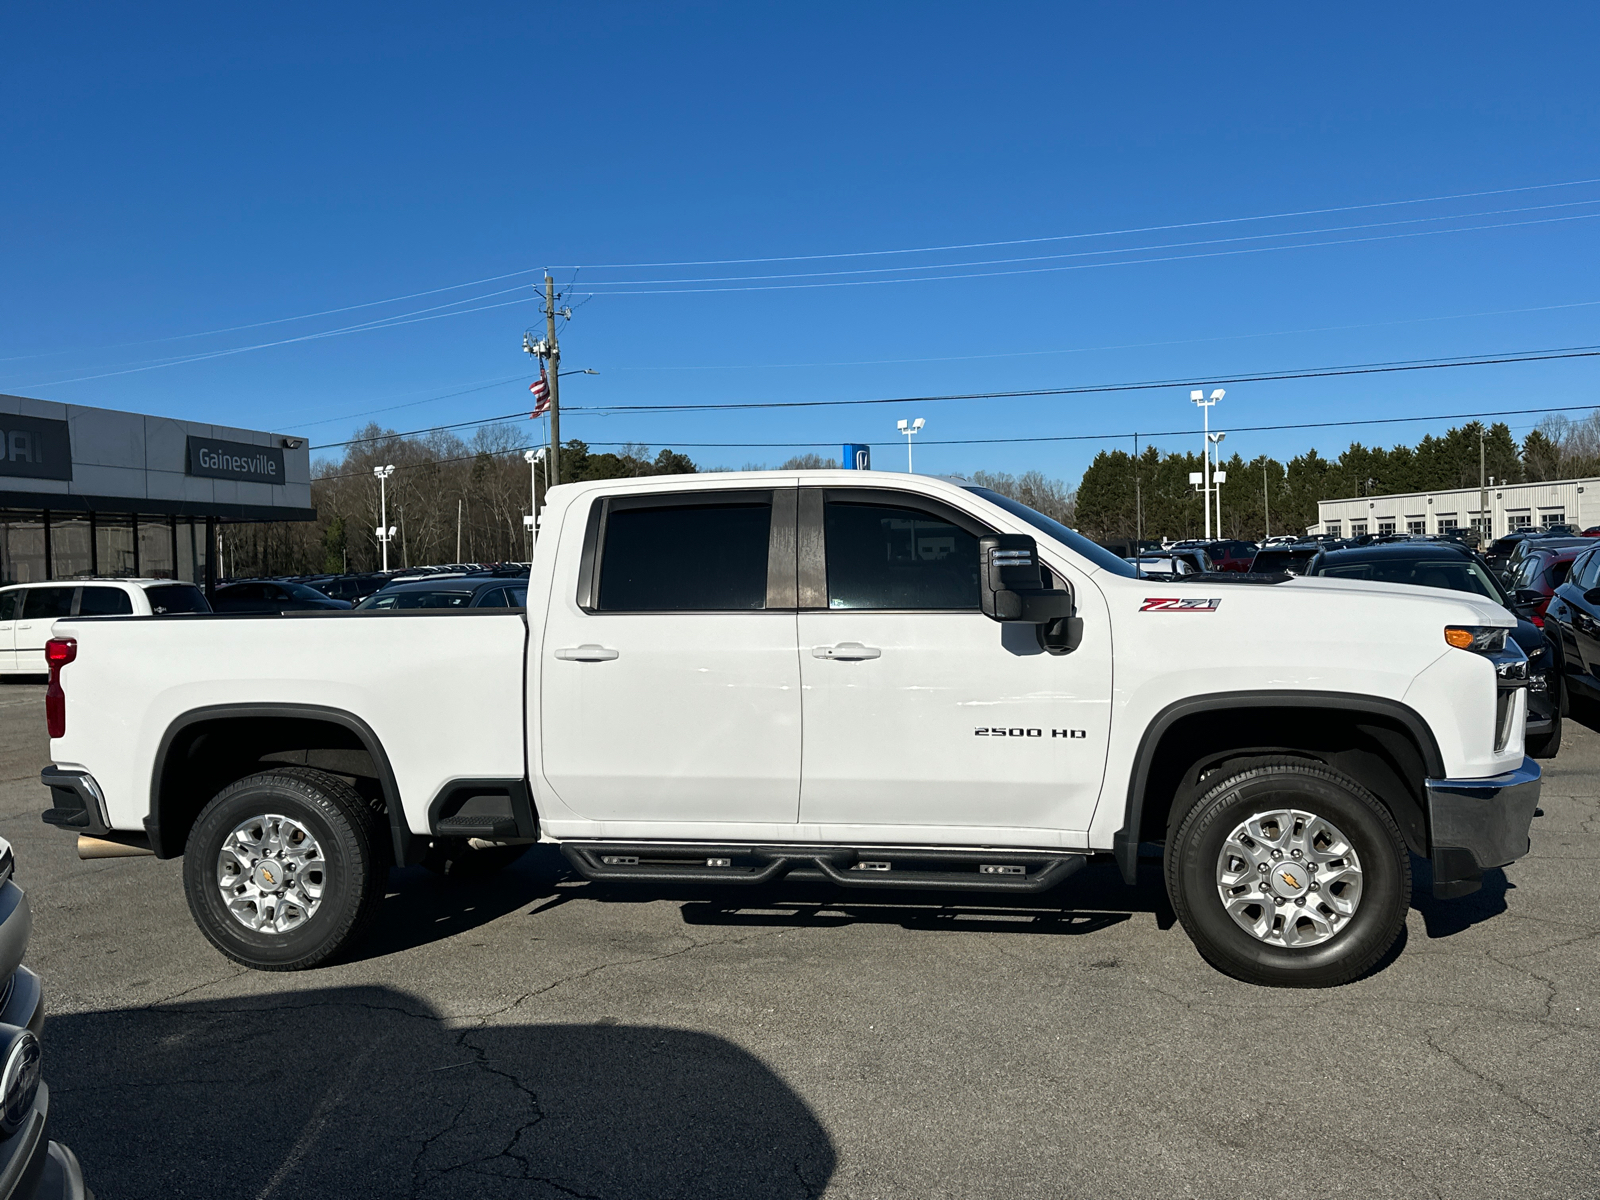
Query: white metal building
[[1511, 506]]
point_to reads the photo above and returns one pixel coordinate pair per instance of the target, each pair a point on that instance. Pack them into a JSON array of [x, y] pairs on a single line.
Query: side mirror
[[1012, 589]]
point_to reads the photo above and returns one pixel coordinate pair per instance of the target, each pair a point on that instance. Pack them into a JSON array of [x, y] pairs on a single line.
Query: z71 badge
[[1186, 604]]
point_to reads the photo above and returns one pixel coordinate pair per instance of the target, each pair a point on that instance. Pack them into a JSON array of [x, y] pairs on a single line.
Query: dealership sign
[[34, 448], [235, 460]]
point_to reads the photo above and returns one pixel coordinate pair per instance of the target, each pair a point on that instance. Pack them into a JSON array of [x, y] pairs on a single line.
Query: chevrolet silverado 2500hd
[[868, 679]]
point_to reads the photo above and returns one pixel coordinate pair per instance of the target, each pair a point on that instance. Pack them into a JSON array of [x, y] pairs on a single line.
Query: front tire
[[285, 870], [1288, 874]]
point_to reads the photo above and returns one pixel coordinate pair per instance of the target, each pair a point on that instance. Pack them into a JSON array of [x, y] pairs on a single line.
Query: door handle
[[846, 652], [586, 653]]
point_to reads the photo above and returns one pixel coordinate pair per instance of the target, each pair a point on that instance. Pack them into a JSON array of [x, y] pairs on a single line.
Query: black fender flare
[[399, 830], [1125, 841]]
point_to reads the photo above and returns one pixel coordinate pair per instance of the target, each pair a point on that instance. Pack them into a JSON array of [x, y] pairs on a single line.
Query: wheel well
[[199, 758], [1376, 750]]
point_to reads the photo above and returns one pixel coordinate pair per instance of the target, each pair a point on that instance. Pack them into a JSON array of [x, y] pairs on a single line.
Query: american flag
[[540, 388]]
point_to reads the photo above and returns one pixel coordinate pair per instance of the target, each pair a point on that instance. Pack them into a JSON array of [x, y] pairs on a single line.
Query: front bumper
[[1477, 824]]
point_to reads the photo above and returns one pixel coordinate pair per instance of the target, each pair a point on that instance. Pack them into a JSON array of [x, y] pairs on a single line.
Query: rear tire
[[285, 870], [1340, 916], [454, 859]]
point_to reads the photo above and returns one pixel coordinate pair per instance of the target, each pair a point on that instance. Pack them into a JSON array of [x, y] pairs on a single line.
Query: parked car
[[1291, 559], [32, 1167], [1226, 554], [1189, 552], [646, 715], [1539, 573], [351, 588], [462, 591], [1458, 568], [269, 596], [27, 610], [1572, 621], [1162, 566]]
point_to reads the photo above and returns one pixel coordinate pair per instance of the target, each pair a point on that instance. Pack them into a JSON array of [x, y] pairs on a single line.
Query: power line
[[1145, 385], [1308, 212], [990, 262], [1133, 262]]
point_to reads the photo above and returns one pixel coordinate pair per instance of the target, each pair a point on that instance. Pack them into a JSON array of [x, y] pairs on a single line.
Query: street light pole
[[911, 429], [1198, 397], [385, 530], [531, 522]]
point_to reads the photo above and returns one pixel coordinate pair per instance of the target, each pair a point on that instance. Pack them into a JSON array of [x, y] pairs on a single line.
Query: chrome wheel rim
[[1289, 878], [271, 873]]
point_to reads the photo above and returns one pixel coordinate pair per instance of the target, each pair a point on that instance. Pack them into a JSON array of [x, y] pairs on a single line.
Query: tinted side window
[[44, 603], [1584, 576], [105, 602], [493, 598], [10, 605], [517, 597], [710, 557], [882, 557]]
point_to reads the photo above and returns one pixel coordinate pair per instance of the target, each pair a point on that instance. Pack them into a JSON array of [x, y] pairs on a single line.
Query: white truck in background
[[869, 679]]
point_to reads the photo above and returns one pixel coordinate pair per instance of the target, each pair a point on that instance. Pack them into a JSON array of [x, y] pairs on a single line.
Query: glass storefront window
[[192, 551], [155, 548], [21, 548], [70, 556], [113, 543]]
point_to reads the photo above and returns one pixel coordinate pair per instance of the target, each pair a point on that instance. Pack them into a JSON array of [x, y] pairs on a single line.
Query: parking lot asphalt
[[539, 1036]]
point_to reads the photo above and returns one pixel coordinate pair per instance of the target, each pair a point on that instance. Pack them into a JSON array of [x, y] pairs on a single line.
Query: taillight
[[58, 652]]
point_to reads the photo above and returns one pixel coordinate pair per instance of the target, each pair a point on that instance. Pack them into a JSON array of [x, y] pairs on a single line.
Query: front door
[[669, 675], [10, 606], [41, 608], [922, 712]]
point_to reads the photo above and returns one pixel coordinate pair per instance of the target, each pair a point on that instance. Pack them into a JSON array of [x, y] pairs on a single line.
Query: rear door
[[670, 687], [41, 607], [919, 710]]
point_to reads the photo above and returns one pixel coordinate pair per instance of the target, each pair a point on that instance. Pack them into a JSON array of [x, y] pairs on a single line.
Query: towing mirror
[[1012, 588]]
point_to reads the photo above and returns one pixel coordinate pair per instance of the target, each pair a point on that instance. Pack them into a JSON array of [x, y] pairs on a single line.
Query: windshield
[[417, 600], [1098, 555], [1464, 575], [1291, 562]]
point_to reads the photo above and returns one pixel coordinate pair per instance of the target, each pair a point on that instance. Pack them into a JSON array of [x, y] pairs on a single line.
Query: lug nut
[[1262, 868], [1294, 854], [1315, 886], [1300, 901], [1277, 854]]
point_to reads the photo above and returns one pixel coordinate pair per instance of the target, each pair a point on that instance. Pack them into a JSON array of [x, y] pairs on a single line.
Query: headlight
[[1483, 639], [19, 1080]]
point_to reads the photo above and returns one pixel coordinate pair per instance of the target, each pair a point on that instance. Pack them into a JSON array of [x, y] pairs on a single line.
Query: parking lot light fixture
[[385, 530], [911, 429]]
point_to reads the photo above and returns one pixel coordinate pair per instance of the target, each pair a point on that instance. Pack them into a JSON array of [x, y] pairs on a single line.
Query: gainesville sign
[[235, 460]]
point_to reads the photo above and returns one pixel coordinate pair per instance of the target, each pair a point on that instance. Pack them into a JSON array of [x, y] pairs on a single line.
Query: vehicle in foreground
[[464, 591], [270, 596], [1288, 743], [27, 610], [31, 1165], [1456, 567]]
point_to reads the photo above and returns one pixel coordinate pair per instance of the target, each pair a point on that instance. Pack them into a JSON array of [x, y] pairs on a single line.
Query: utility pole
[[553, 356], [1138, 501], [1266, 504], [458, 529], [1485, 530]]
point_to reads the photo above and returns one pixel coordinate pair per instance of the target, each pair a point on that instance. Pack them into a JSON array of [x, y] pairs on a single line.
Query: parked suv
[[465, 591], [27, 610]]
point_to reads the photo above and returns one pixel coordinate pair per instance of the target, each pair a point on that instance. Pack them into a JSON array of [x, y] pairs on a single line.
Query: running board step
[[950, 870]]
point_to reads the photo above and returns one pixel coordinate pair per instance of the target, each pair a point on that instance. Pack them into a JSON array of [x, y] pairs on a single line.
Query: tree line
[[1120, 494], [463, 500]]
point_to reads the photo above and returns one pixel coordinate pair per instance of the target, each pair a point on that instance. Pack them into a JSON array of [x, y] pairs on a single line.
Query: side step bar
[[956, 870]]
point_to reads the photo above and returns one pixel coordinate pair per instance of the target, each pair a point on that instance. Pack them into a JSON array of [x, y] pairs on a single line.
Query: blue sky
[[177, 170]]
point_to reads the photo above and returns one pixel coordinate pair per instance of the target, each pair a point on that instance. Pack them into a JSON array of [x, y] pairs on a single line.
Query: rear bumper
[[1478, 824]]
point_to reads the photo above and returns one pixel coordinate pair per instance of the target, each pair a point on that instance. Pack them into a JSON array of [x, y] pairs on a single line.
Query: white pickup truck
[[861, 678]]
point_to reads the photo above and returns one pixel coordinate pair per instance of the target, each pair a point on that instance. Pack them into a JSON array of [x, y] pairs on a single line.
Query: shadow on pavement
[[1444, 918], [363, 1092], [422, 907]]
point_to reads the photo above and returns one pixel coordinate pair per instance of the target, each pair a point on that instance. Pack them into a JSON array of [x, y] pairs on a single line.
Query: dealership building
[[96, 492], [1510, 507]]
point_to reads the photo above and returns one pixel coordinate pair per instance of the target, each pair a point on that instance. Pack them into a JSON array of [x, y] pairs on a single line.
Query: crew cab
[[868, 679]]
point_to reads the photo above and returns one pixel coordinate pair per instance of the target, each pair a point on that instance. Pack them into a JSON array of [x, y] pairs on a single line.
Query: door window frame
[[780, 545], [813, 551]]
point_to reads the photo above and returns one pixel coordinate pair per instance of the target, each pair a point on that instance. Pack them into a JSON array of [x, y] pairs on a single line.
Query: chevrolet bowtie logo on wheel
[[1287, 878], [267, 875]]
